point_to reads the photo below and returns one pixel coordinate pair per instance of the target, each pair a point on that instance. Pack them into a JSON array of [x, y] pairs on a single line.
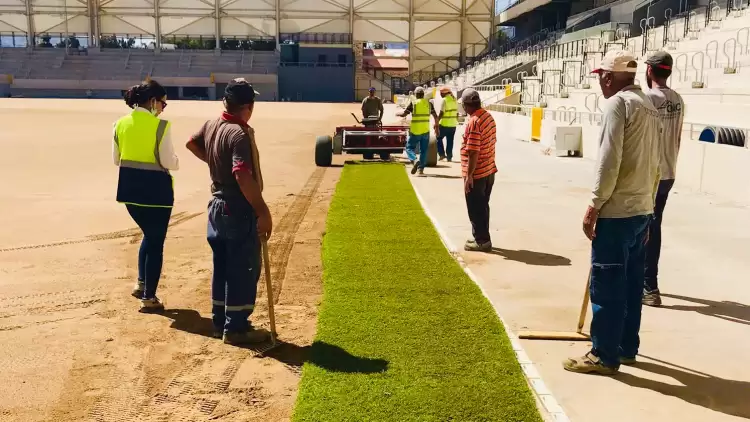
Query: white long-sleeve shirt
[[627, 169], [167, 157]]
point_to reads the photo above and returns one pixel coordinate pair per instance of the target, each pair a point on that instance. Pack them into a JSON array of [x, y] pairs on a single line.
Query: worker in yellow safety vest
[[445, 124], [142, 148], [419, 130]]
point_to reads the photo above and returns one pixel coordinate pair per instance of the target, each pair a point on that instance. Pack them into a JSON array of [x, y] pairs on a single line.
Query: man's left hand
[[589, 222], [468, 183]]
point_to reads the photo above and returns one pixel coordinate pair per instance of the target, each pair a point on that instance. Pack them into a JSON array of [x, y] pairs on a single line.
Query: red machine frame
[[369, 138]]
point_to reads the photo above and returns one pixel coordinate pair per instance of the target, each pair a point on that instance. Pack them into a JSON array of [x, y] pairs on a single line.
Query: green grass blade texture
[[403, 333]]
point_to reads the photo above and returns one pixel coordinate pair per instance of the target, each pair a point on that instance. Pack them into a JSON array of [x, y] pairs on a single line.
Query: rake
[[269, 294], [578, 335]]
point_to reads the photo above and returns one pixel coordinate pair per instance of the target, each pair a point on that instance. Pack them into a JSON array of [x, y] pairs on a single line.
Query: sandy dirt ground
[[74, 348]]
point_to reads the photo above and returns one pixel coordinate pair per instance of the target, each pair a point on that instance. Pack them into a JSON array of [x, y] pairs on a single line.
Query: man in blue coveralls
[[237, 215]]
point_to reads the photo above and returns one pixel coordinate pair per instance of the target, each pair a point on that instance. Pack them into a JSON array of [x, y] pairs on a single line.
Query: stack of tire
[[723, 135]]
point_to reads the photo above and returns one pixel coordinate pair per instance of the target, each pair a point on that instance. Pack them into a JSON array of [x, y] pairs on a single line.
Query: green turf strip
[[403, 333]]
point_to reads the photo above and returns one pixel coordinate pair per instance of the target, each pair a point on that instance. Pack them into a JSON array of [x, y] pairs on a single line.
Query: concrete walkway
[[695, 354]]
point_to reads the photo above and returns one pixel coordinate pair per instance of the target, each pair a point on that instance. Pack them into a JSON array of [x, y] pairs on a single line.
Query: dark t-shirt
[[228, 150]]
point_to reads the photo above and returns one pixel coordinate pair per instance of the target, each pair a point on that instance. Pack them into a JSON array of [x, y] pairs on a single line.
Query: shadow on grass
[[327, 356], [531, 257], [718, 394], [726, 310]]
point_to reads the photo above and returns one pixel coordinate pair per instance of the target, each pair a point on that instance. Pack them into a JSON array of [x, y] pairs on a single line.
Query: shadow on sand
[[328, 356], [730, 397], [726, 310], [531, 257]]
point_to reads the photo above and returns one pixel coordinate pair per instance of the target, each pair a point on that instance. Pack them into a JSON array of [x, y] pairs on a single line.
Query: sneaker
[[627, 361], [153, 305], [137, 291], [473, 246], [415, 167], [588, 364], [652, 298], [250, 336]]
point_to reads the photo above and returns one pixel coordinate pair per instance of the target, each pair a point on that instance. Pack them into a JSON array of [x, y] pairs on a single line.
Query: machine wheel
[[432, 153], [368, 155], [323, 151], [385, 156]]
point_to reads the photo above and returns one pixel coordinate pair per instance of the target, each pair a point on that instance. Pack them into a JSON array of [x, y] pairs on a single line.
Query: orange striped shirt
[[480, 136]]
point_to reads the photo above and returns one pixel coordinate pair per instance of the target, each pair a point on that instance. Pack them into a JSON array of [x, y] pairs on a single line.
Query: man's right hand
[[265, 224]]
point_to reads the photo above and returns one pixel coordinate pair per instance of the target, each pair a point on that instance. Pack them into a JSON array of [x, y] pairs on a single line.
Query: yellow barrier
[[536, 123], [508, 90]]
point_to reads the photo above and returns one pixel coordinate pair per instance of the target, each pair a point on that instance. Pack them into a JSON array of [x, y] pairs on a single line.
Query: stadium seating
[[131, 64]]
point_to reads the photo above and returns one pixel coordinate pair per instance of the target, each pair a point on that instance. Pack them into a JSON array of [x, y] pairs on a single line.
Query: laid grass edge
[[352, 376]]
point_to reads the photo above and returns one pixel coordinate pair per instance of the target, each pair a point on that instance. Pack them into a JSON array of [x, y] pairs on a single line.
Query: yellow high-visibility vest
[[450, 112], [420, 117], [143, 181]]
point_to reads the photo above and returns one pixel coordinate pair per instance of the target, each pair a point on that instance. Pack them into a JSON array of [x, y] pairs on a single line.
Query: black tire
[[368, 155], [432, 153], [385, 156], [323, 151]]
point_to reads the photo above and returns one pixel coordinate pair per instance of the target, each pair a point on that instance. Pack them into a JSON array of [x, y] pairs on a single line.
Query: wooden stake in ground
[[578, 335]]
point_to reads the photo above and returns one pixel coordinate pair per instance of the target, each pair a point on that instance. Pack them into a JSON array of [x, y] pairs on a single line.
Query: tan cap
[[445, 90], [617, 61]]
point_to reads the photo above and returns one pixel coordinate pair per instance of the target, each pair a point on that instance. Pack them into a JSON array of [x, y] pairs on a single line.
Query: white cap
[[617, 61]]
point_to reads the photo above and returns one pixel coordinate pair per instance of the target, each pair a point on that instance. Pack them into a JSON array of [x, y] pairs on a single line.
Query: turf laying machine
[[369, 138]]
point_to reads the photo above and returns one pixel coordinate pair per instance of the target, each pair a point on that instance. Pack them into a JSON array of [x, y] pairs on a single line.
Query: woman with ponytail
[[142, 148]]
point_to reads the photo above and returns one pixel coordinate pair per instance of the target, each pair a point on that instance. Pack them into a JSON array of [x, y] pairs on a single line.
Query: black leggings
[[153, 222]]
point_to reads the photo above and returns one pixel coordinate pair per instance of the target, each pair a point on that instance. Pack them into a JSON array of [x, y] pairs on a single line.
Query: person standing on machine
[[445, 124], [237, 215], [372, 105], [142, 148]]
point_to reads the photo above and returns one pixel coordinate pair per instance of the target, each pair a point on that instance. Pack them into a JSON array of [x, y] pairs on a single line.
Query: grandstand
[[550, 78], [95, 49]]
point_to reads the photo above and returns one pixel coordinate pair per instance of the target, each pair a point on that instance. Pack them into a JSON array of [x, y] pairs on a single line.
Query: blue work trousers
[[618, 257], [421, 141], [233, 236], [448, 133], [153, 222]]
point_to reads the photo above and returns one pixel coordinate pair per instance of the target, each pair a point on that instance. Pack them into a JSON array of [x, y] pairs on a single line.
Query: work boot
[[251, 336], [442, 158], [415, 167], [652, 298], [627, 361], [588, 364], [420, 172], [150, 306], [218, 333], [138, 289], [473, 246]]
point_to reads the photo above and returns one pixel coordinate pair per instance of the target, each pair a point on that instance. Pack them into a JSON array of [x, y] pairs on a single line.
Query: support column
[[29, 25], [411, 37], [493, 27], [217, 24], [462, 42], [157, 28], [278, 24], [351, 21]]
